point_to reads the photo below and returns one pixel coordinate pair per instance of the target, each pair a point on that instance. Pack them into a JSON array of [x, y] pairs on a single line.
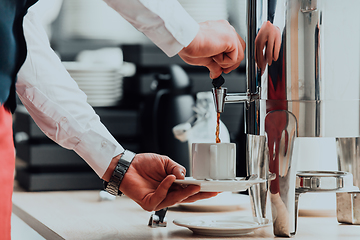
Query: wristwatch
[[122, 166]]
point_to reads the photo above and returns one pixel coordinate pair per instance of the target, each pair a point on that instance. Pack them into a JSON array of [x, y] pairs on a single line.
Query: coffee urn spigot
[[221, 97]]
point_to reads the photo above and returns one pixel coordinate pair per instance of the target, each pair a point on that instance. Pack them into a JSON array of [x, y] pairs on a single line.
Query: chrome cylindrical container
[[286, 64], [295, 81]]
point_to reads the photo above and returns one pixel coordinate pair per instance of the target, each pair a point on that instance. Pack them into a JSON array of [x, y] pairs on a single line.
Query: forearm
[[58, 106], [111, 168], [164, 22]]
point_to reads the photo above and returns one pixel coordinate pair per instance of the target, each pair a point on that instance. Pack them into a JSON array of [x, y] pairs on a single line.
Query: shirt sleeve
[[57, 105], [164, 22]]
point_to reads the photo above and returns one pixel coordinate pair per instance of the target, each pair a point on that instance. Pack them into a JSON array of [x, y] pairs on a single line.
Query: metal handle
[[158, 219], [221, 97]]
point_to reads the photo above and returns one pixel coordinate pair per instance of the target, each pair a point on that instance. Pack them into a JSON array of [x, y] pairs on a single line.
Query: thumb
[[161, 191], [179, 172], [174, 169]]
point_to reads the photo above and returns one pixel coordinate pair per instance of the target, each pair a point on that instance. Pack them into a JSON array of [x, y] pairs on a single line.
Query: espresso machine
[[289, 98]]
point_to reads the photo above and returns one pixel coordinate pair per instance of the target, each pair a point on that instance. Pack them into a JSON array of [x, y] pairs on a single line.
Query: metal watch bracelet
[[122, 166]]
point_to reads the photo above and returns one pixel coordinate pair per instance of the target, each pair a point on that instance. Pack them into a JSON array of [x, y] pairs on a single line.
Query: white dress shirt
[[55, 101]]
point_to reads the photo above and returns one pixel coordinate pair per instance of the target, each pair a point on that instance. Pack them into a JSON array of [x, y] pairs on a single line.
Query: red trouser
[[7, 167]]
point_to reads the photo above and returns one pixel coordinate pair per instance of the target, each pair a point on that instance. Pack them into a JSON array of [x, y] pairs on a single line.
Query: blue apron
[[12, 47]]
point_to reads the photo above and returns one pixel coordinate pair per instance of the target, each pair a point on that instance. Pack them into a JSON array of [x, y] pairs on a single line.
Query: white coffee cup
[[214, 161]]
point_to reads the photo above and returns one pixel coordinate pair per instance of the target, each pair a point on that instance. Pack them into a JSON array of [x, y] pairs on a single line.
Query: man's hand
[[217, 46], [268, 37], [149, 182]]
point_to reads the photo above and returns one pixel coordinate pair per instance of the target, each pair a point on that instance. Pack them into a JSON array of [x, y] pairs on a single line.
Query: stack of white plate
[[203, 10], [101, 83]]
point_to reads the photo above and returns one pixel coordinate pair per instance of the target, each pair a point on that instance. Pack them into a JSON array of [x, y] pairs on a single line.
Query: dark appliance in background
[[169, 104]]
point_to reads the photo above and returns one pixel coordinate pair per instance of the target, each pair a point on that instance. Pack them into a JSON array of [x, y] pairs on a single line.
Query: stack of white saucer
[[101, 84], [99, 74]]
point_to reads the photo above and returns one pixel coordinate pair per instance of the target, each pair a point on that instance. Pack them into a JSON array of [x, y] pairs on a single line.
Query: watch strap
[[121, 168]]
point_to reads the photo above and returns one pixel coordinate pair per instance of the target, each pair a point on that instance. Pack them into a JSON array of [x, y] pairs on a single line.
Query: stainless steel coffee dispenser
[[288, 98]]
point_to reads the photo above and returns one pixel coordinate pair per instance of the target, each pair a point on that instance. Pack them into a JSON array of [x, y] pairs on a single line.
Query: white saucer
[[236, 185], [225, 201], [215, 225]]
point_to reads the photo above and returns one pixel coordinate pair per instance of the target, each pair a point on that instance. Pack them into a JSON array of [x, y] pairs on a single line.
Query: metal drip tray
[[320, 181]]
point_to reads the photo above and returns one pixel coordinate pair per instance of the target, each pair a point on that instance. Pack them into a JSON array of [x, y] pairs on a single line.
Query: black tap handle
[[218, 82], [161, 213]]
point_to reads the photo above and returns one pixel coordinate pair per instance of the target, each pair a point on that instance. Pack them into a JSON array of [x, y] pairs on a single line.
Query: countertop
[[81, 215]]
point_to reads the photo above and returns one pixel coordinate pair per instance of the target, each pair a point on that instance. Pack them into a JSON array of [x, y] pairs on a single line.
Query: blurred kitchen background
[[139, 93]]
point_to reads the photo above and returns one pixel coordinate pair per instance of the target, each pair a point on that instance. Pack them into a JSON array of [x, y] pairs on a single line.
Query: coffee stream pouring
[[290, 99], [200, 128]]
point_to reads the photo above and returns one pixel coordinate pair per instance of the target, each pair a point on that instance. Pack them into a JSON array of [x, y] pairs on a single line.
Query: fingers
[[259, 55], [277, 46], [215, 69], [227, 59], [231, 58], [269, 50], [268, 38], [228, 70], [161, 191], [260, 42], [178, 196], [217, 46], [242, 42], [273, 46], [199, 196], [177, 170], [172, 167]]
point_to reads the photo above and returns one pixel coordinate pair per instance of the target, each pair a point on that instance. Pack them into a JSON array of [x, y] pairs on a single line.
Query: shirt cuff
[[183, 29], [93, 147]]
